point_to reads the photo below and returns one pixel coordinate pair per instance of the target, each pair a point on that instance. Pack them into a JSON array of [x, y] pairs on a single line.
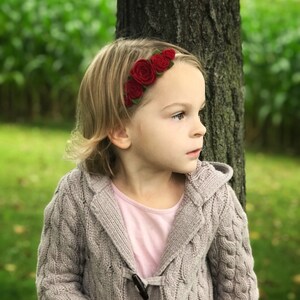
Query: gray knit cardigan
[[85, 252]]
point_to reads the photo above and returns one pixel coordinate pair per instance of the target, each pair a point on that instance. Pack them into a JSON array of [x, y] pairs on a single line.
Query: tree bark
[[210, 29]]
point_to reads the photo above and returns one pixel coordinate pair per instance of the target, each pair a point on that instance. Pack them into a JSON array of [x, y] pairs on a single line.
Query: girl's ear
[[119, 137]]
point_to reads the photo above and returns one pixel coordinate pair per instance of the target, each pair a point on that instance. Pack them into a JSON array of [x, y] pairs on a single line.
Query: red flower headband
[[144, 73]]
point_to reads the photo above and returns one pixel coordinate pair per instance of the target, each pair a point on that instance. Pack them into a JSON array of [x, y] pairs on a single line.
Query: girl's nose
[[199, 129]]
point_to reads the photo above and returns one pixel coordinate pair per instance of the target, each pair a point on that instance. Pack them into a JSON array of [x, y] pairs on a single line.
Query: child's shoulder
[[211, 175], [78, 179], [209, 179], [73, 177]]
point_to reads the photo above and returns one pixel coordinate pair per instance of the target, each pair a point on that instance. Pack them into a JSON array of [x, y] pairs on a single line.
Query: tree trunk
[[210, 29]]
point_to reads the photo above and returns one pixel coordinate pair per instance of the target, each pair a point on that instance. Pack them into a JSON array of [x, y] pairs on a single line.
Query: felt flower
[[160, 62], [169, 53], [128, 101], [143, 72], [133, 90]]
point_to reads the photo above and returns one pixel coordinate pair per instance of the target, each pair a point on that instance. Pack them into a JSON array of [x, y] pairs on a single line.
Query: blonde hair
[[100, 106]]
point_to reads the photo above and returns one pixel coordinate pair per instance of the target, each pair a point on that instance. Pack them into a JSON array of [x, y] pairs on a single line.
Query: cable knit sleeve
[[230, 255], [60, 255]]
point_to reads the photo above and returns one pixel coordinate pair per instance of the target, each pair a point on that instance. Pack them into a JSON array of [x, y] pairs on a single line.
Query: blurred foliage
[[45, 47], [271, 48]]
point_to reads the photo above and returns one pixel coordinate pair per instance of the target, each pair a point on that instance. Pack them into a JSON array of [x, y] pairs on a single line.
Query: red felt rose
[[128, 102], [160, 62], [133, 89], [143, 72], [169, 53]]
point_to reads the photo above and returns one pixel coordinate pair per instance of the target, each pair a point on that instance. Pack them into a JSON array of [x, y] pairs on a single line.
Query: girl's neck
[[159, 190]]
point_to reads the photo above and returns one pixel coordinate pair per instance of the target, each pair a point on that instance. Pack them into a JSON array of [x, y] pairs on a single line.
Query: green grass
[[31, 164], [273, 196]]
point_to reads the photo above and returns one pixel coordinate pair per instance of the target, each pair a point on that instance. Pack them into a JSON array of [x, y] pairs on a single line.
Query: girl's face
[[166, 133]]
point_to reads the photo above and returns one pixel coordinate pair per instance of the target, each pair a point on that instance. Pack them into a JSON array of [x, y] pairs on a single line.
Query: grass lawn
[[273, 199], [31, 164]]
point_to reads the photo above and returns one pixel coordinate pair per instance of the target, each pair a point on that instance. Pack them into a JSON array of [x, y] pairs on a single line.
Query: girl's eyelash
[[178, 116], [181, 115]]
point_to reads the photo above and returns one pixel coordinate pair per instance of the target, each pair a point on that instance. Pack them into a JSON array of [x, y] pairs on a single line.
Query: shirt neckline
[[143, 207]]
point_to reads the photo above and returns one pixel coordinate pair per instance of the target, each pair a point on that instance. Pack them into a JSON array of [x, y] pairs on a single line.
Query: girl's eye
[[178, 116]]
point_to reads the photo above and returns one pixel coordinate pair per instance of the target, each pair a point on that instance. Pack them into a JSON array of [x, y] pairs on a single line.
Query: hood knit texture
[[85, 251]]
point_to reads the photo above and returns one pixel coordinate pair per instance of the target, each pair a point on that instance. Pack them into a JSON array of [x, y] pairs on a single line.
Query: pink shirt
[[148, 230]]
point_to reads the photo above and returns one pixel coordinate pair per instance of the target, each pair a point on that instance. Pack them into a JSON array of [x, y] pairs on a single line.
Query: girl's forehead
[[182, 83]]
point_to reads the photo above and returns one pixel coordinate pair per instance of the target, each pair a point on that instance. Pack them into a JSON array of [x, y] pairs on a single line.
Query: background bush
[[271, 48], [45, 47]]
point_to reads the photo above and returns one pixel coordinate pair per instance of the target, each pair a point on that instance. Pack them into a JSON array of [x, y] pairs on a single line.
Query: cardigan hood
[[208, 178]]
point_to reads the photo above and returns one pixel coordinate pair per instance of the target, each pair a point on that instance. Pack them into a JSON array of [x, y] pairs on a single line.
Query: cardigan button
[[140, 286]]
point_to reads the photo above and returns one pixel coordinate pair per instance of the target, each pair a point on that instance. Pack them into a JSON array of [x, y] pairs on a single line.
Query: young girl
[[141, 217]]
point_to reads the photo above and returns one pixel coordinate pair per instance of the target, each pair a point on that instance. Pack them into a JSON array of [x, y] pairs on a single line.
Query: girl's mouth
[[194, 153]]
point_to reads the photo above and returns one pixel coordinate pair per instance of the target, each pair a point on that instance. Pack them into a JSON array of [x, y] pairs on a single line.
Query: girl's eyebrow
[[182, 104]]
